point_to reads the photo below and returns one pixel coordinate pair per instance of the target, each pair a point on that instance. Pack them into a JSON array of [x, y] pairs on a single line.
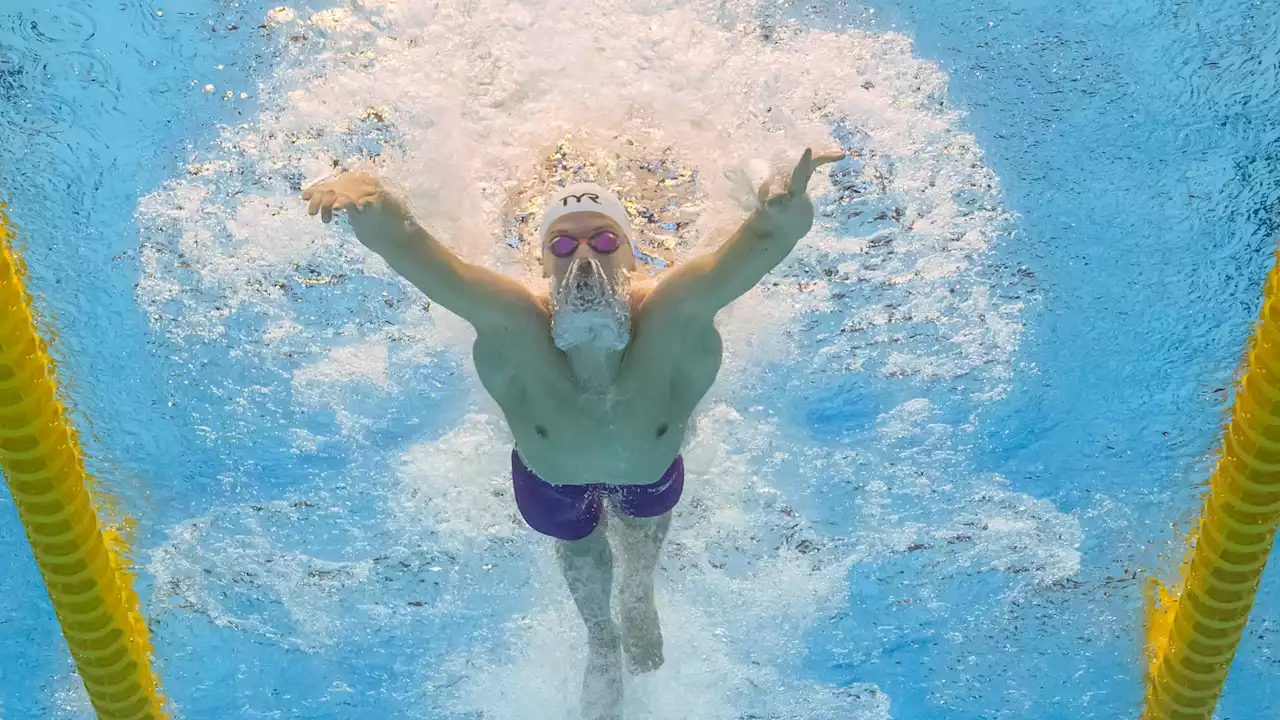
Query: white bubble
[[281, 15]]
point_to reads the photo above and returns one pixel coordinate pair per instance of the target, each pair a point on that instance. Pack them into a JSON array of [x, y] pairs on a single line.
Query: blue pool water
[[923, 487]]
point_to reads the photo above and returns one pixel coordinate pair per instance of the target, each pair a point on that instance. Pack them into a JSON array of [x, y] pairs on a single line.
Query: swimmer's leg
[[587, 565], [641, 539]]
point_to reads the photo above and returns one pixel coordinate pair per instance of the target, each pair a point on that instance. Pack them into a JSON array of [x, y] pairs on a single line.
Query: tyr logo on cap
[[574, 199], [564, 202]]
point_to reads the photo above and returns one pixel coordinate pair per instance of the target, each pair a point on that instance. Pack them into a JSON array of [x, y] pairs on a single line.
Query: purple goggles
[[603, 242]]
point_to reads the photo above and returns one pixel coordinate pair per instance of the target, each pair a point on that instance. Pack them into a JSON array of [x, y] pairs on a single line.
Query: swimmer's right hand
[[342, 192]]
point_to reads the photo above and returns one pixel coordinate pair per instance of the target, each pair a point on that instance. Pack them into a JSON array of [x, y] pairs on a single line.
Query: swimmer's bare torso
[[625, 434]]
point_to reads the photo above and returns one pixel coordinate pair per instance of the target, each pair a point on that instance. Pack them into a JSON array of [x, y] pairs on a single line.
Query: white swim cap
[[584, 197]]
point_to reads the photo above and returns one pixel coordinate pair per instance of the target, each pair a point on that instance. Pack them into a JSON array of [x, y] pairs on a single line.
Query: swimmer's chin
[[599, 330]]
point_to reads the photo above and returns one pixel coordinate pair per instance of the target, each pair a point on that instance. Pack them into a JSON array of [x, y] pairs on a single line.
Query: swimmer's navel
[[662, 429], [542, 432]]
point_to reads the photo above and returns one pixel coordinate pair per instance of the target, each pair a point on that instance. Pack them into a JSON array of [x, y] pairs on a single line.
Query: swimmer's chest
[[543, 401], [635, 430]]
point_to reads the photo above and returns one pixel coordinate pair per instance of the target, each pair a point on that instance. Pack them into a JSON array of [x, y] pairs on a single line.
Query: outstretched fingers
[[804, 170], [316, 188], [316, 198], [801, 174], [328, 198]]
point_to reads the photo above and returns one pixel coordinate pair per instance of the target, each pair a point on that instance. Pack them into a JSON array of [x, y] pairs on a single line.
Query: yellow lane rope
[[1192, 637], [41, 459]]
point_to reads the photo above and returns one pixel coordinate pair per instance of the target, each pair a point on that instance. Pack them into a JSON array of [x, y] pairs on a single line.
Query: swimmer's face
[[583, 225]]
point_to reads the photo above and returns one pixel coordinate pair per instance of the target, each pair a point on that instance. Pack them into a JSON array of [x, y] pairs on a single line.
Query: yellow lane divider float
[[41, 459], [1192, 635]]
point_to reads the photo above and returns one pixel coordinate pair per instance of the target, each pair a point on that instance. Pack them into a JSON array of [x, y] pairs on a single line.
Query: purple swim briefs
[[571, 512]]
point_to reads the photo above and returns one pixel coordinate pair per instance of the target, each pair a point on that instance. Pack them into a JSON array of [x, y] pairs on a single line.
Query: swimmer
[[597, 379]]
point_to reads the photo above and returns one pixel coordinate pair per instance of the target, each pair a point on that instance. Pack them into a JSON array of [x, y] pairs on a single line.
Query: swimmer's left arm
[[706, 284]]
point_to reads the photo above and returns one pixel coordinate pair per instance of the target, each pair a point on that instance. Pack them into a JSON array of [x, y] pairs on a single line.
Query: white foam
[[364, 361], [252, 583], [459, 486]]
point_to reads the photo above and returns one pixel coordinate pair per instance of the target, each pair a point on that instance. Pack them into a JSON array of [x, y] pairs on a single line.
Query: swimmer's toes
[[642, 643], [644, 662]]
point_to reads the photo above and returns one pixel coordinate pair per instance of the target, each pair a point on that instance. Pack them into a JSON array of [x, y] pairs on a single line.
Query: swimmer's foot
[[602, 682], [641, 634]]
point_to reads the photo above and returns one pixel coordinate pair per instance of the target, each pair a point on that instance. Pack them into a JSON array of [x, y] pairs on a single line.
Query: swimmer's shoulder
[[656, 313], [523, 345], [674, 345]]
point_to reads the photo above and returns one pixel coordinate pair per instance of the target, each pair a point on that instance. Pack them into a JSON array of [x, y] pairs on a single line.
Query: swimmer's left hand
[[789, 214]]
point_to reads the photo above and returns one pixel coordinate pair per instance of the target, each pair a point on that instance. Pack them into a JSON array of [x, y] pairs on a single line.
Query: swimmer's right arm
[[488, 300]]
